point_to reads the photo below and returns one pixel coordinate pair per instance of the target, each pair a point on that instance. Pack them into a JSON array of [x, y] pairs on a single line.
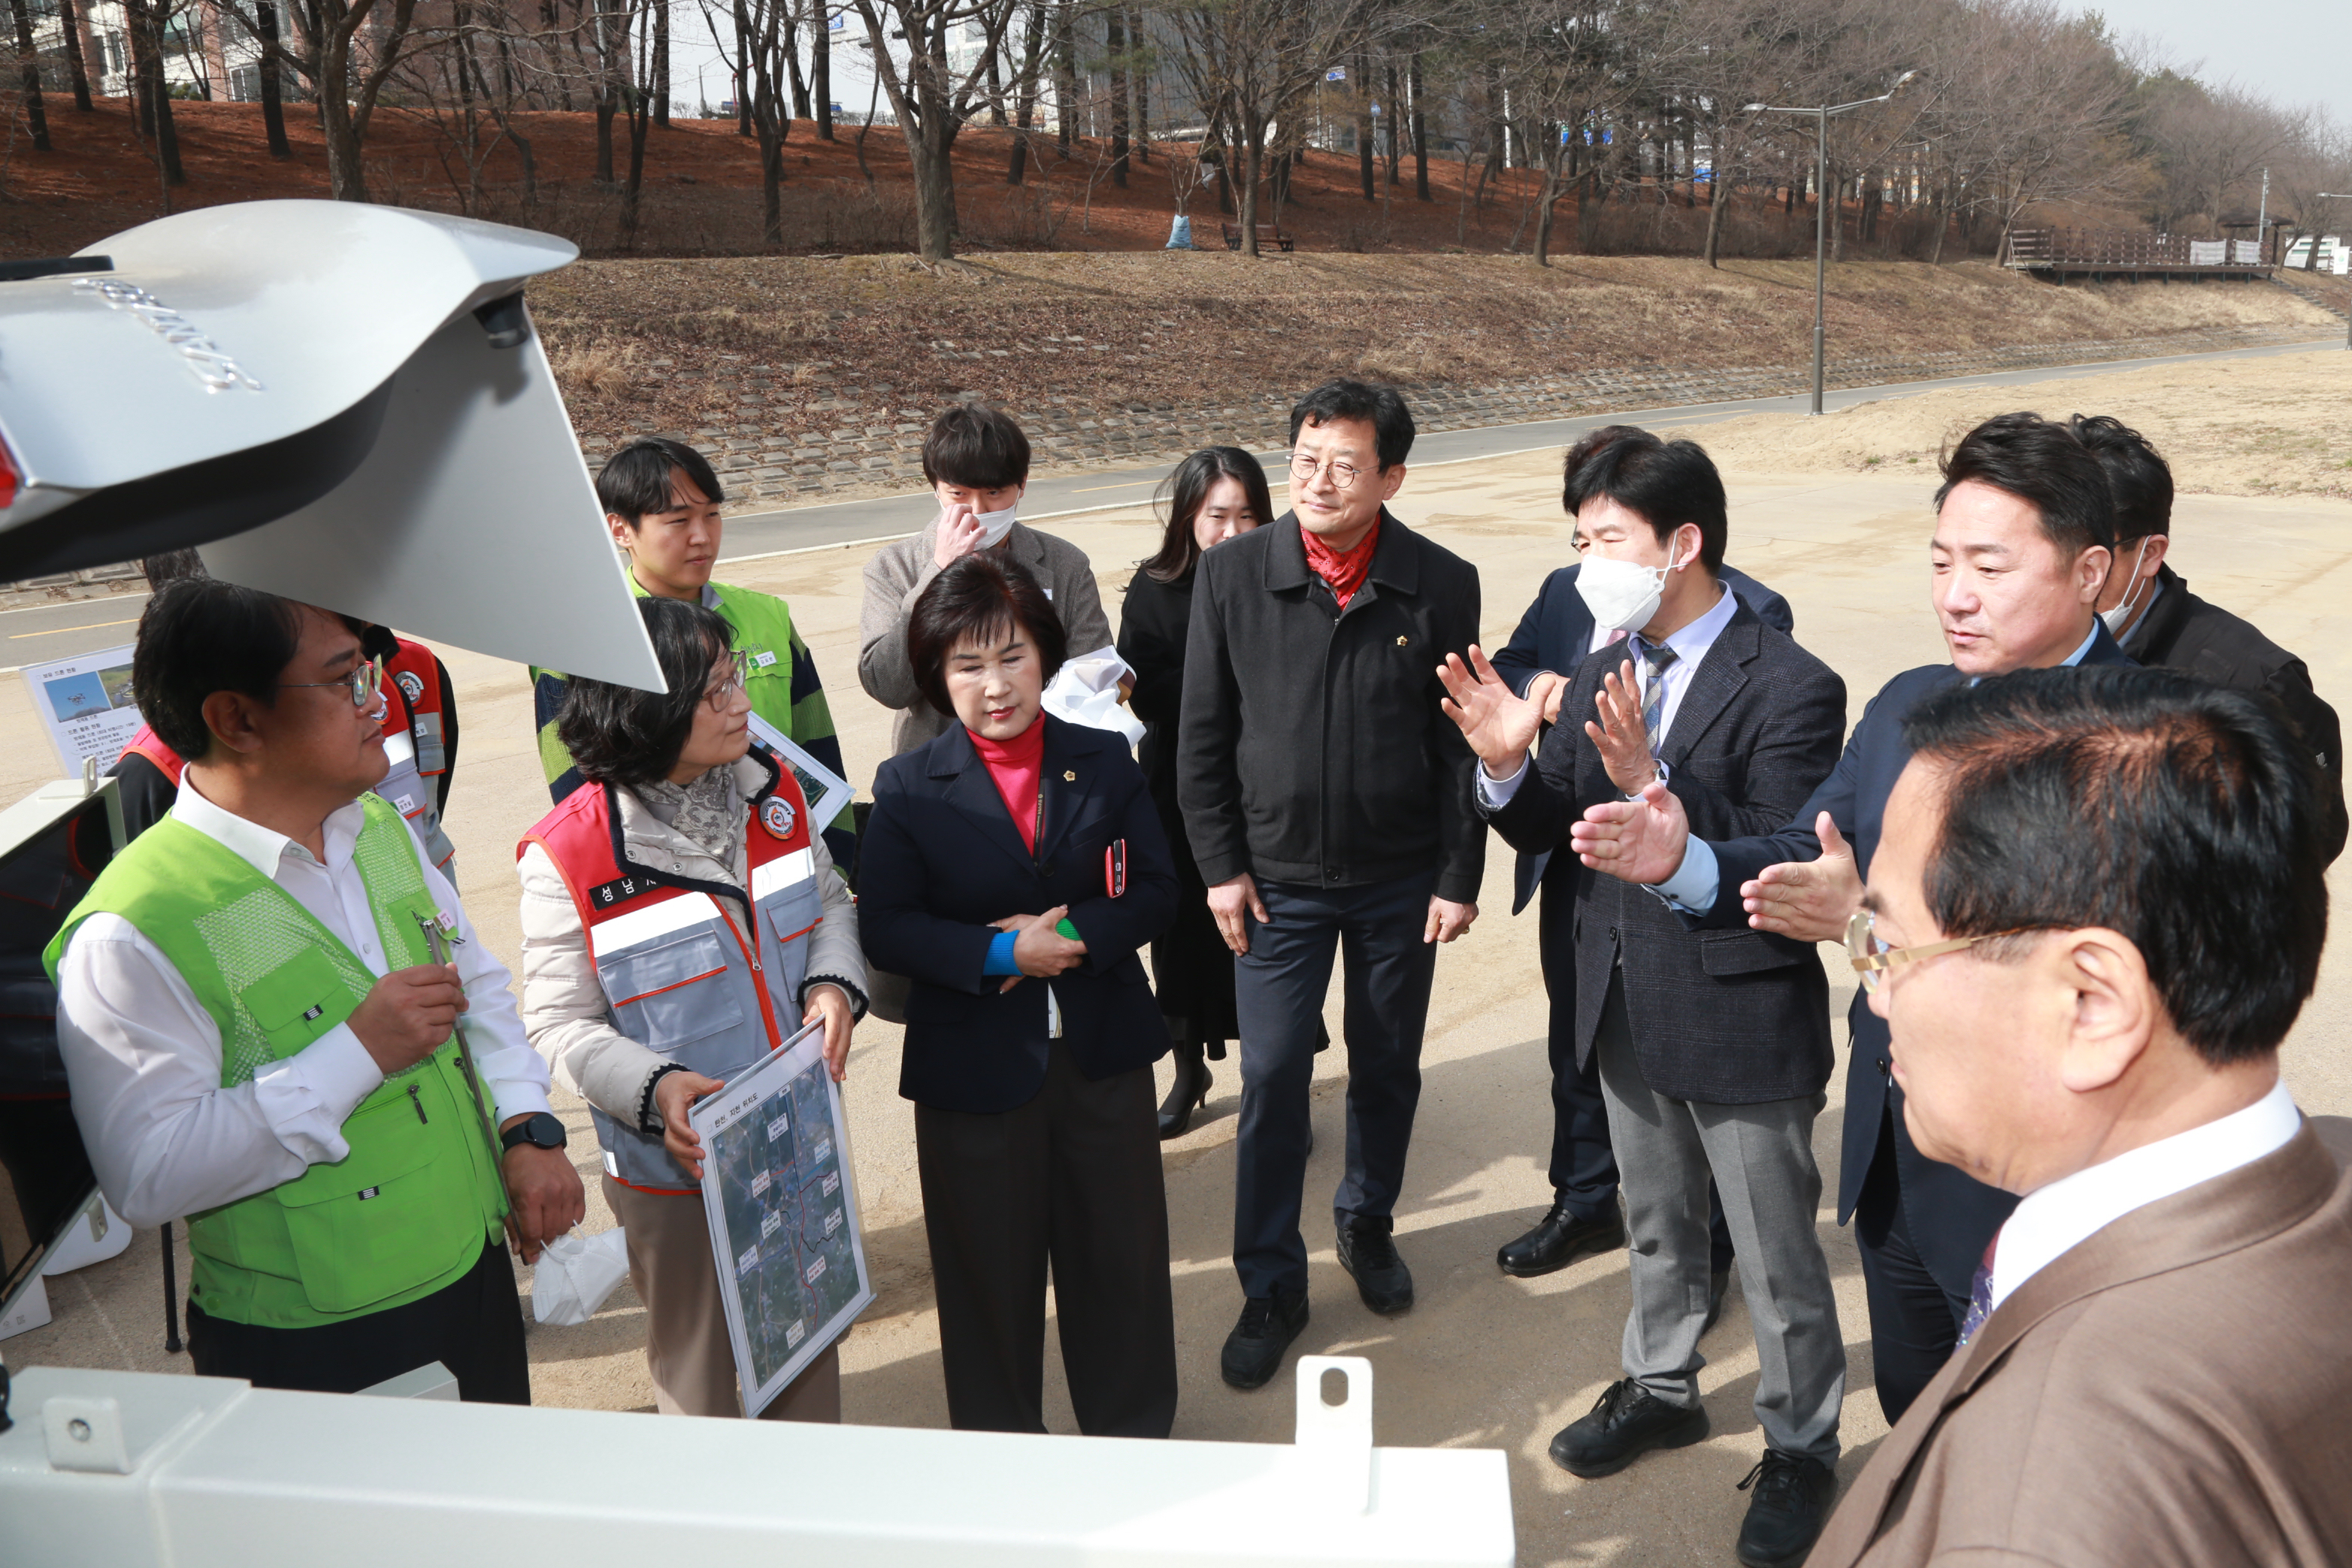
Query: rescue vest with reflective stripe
[[417, 673], [407, 1210], [676, 968]]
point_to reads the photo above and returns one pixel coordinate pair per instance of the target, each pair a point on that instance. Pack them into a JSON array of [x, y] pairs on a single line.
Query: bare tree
[[762, 31], [345, 52], [935, 100]]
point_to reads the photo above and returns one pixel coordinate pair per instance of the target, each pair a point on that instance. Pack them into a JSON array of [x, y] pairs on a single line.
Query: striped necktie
[[1654, 701]]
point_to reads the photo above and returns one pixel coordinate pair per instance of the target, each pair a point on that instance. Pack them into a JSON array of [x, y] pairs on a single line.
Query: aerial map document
[[776, 1185]]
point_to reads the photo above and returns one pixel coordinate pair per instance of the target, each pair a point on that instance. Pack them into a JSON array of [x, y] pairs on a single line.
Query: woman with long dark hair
[[1211, 496]]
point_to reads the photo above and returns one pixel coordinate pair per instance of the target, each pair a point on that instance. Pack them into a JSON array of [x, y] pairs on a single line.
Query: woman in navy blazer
[[1028, 1051]]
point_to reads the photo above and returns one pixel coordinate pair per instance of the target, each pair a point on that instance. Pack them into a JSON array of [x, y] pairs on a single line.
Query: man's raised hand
[[1634, 840], [1622, 741], [959, 533], [1499, 726], [1809, 900]]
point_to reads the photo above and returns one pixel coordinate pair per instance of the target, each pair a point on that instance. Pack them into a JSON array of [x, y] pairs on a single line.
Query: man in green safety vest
[[259, 1009], [661, 500]]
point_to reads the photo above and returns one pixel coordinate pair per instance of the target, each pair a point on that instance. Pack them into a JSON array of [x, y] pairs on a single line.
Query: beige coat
[[564, 1009], [898, 575], [2175, 1392]]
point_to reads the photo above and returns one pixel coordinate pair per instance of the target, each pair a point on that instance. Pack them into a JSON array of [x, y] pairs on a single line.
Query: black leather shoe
[[1626, 1422], [1558, 1239], [1254, 1351], [1791, 1503], [1186, 1095], [1368, 1252], [1717, 1285]]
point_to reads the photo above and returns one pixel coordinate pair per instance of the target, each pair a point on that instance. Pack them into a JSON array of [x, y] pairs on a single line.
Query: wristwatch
[[539, 1130]]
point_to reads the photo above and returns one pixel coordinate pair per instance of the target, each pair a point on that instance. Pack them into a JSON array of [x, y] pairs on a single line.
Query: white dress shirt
[[1690, 646], [2056, 1220], [143, 1058]]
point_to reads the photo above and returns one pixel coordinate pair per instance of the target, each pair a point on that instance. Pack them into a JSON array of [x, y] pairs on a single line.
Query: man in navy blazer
[[1556, 635], [2023, 542]]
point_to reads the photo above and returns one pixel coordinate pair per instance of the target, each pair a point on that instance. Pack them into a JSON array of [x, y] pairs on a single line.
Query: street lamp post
[[1821, 203], [2331, 197]]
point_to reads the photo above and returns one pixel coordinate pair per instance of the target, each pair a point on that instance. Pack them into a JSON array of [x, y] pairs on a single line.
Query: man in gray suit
[[1713, 1047], [2097, 907]]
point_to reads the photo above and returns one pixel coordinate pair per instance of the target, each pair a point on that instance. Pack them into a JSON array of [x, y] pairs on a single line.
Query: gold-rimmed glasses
[[1873, 959], [365, 683]]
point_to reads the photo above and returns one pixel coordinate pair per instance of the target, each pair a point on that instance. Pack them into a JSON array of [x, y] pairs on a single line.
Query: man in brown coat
[[2095, 910]]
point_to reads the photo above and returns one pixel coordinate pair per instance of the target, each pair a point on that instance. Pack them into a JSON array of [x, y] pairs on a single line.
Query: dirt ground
[[2232, 427], [1482, 1359]]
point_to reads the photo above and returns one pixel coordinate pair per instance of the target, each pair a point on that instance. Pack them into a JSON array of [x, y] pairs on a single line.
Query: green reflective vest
[[408, 1209]]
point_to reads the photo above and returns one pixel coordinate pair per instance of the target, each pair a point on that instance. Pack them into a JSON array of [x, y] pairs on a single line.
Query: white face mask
[[1621, 595], [995, 525], [2120, 616]]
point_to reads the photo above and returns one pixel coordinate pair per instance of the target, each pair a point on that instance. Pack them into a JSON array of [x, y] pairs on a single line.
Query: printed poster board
[[777, 1190], [85, 704]]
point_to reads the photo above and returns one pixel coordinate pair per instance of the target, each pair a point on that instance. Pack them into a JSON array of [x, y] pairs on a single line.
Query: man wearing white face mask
[[2150, 611], [977, 460], [1713, 1047]]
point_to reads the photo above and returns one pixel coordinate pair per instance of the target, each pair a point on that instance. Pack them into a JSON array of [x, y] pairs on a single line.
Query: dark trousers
[[1070, 1181], [1915, 1322], [473, 1326], [1278, 990], [1583, 1162]]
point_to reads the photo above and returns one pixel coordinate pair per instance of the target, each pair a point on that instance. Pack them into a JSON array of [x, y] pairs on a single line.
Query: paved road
[[60, 631]]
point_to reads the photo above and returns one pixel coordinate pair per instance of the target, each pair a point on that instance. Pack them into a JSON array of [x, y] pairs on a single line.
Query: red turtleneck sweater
[[1015, 766]]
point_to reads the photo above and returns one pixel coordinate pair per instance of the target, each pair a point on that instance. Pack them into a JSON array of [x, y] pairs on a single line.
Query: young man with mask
[[2148, 608], [661, 500], [259, 1036], [1327, 801], [1712, 1048], [976, 460], [2023, 542]]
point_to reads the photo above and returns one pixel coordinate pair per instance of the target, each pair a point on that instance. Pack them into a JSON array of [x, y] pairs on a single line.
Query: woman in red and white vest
[[680, 919]]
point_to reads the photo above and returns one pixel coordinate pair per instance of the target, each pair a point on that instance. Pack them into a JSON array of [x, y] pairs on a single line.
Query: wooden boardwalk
[[2061, 253]]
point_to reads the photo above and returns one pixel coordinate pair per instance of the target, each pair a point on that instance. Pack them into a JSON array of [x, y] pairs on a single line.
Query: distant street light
[[2332, 197], [1822, 203]]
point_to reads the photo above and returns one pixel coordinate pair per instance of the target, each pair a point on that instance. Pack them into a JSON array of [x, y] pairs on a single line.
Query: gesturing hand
[[1227, 901], [1623, 743], [1634, 840], [673, 1096], [960, 533], [1499, 726], [408, 1014], [1808, 899]]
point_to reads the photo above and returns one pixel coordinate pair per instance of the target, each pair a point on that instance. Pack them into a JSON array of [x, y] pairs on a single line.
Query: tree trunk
[[661, 69], [346, 179], [1717, 204], [1393, 115], [792, 53], [1115, 43], [273, 83], [134, 86], [609, 51], [1420, 133], [1364, 129], [1253, 163], [70, 24], [743, 66], [641, 113], [1025, 101], [1138, 81], [934, 190], [821, 75], [28, 66], [154, 96], [1066, 77], [1551, 194]]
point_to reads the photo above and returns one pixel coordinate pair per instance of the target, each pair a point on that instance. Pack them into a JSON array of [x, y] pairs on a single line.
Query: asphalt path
[[41, 632]]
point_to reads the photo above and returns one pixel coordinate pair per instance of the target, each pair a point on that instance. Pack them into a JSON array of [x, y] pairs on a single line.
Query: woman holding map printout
[[1012, 867], [680, 922]]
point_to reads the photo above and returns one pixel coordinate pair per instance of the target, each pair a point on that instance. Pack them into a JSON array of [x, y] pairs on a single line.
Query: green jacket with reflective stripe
[[783, 686], [407, 1211]]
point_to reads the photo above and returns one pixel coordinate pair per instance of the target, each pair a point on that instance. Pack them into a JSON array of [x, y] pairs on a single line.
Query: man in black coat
[[1328, 803], [1712, 1048], [2023, 542], [1556, 635], [2148, 607]]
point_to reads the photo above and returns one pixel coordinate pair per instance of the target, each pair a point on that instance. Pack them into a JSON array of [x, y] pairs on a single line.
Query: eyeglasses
[[1873, 959], [739, 670], [365, 683], [1303, 469]]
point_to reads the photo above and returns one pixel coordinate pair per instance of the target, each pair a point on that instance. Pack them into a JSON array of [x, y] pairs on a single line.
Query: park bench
[[1268, 237]]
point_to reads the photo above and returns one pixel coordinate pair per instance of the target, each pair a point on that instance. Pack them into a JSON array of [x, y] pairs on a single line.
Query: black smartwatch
[[539, 1130]]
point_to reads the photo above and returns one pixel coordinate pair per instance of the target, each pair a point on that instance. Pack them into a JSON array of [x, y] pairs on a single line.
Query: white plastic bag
[[1084, 690], [576, 1275]]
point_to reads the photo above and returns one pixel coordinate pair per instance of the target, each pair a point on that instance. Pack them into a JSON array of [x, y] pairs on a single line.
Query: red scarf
[[1015, 766], [1343, 570]]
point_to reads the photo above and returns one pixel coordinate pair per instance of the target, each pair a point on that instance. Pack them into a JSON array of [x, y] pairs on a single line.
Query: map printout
[[776, 1187]]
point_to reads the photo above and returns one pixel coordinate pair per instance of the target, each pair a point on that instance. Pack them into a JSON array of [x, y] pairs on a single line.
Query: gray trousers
[[1761, 1159]]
